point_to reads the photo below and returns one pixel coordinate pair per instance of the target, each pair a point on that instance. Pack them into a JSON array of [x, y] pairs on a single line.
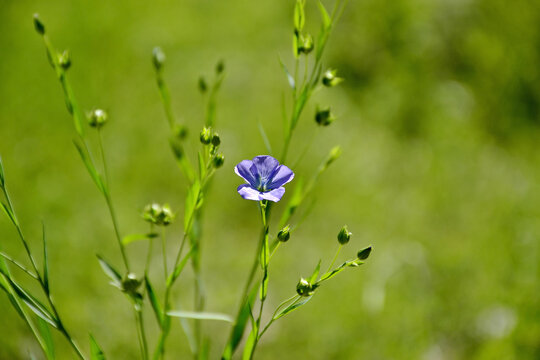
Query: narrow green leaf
[[83, 152], [178, 270], [110, 272], [202, 166], [299, 106], [191, 203], [16, 263], [5, 285], [265, 138], [315, 273], [250, 344], [326, 21], [33, 303], [2, 176], [45, 262], [47, 339], [331, 274], [201, 315], [8, 213], [154, 301], [95, 351], [128, 239], [290, 78], [240, 324], [292, 307], [299, 16]]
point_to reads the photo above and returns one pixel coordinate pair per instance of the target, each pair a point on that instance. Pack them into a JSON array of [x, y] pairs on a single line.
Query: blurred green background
[[439, 122]]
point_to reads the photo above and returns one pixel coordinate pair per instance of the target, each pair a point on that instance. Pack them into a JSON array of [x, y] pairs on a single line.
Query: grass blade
[[158, 311], [47, 339], [95, 351], [201, 315], [45, 262], [110, 271], [292, 307]]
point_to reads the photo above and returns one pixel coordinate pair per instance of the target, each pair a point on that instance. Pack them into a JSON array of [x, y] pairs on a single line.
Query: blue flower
[[265, 178]]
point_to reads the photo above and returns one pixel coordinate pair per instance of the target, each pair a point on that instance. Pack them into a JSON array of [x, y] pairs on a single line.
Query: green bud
[[203, 87], [180, 131], [160, 215], [364, 253], [324, 117], [330, 79], [344, 235], [305, 288], [64, 60], [158, 58], [97, 118], [206, 135], [130, 284], [38, 25], [305, 44], [220, 67], [284, 234], [218, 160], [216, 140], [334, 154]]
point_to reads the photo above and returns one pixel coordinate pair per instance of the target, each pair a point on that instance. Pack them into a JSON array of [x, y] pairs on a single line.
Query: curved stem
[[334, 259]]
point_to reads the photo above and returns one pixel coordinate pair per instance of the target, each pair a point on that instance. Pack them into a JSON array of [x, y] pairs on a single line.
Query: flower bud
[[203, 87], [218, 160], [38, 25], [130, 284], [158, 58], [324, 117], [305, 44], [334, 154], [180, 131], [97, 118], [284, 234], [330, 79], [305, 288], [344, 235], [206, 136], [215, 139], [160, 215], [220, 67], [364, 253], [64, 60]]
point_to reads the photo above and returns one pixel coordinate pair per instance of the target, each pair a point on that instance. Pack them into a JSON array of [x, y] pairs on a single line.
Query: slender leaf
[[292, 307], [128, 239], [331, 274], [47, 339], [158, 311], [265, 138], [240, 324], [95, 351], [201, 315], [191, 203], [299, 16], [4, 284], [290, 78], [326, 21], [110, 272], [83, 152], [16, 263], [202, 166], [45, 262], [178, 270], [2, 176], [250, 344], [315, 273], [9, 213]]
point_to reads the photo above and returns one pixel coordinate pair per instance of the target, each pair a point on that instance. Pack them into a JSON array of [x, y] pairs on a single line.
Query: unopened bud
[[364, 253], [305, 44], [305, 288], [180, 131], [156, 214], [206, 135], [284, 234], [203, 87], [218, 161], [216, 140], [130, 283], [334, 154], [344, 235], [158, 58], [64, 60], [324, 117], [97, 118], [220, 67], [38, 25], [330, 79]]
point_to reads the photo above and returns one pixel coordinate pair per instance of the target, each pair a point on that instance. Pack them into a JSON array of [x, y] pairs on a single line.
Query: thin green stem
[[296, 299], [141, 333], [164, 250], [334, 259], [150, 247]]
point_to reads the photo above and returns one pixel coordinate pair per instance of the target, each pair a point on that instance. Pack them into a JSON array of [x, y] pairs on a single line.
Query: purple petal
[[281, 176], [264, 166], [274, 195], [248, 193], [243, 170]]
